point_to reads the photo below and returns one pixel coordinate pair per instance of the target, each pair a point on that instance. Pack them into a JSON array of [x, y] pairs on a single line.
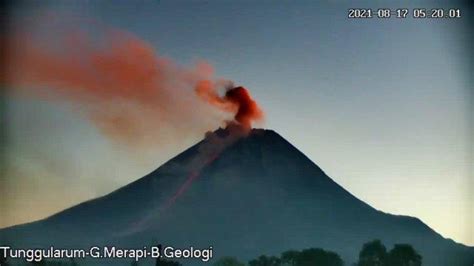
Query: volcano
[[258, 195]]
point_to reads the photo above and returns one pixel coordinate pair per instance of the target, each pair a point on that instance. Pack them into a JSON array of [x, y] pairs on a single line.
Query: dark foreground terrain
[[260, 195]]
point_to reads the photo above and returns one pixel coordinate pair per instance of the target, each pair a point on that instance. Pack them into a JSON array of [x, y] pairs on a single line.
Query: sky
[[384, 107]]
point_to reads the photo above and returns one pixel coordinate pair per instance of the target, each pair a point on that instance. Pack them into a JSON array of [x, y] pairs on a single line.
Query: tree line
[[373, 253]]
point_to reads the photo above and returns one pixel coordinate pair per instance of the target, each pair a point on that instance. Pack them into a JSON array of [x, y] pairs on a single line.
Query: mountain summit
[[252, 195]]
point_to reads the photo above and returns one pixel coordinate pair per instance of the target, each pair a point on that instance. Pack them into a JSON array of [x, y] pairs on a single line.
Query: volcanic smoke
[[235, 100], [119, 82]]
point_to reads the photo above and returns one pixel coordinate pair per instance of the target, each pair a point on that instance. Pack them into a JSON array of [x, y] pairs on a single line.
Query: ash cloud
[[118, 81], [236, 100]]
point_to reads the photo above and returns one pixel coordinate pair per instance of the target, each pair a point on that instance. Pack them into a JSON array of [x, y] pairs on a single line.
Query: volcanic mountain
[[257, 195]]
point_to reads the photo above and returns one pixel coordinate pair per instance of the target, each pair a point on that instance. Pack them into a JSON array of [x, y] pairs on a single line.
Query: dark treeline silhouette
[[373, 253], [163, 262], [228, 261], [3, 260], [71, 262], [306, 257]]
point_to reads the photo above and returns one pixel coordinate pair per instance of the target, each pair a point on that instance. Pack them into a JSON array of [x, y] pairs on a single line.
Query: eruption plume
[[121, 84], [247, 110], [235, 100]]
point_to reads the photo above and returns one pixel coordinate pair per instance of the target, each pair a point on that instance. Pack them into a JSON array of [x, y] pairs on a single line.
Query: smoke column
[[119, 82], [235, 100]]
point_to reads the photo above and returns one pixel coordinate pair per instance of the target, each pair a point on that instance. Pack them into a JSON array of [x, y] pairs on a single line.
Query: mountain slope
[[260, 195]]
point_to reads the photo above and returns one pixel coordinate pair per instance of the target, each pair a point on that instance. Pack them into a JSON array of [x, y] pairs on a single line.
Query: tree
[[318, 256], [265, 261], [50, 263], [307, 257], [73, 262], [3, 260], [373, 253], [403, 255], [163, 262], [228, 261], [289, 257], [38, 263]]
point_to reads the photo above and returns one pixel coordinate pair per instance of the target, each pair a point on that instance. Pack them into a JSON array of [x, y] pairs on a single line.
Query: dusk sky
[[384, 107]]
